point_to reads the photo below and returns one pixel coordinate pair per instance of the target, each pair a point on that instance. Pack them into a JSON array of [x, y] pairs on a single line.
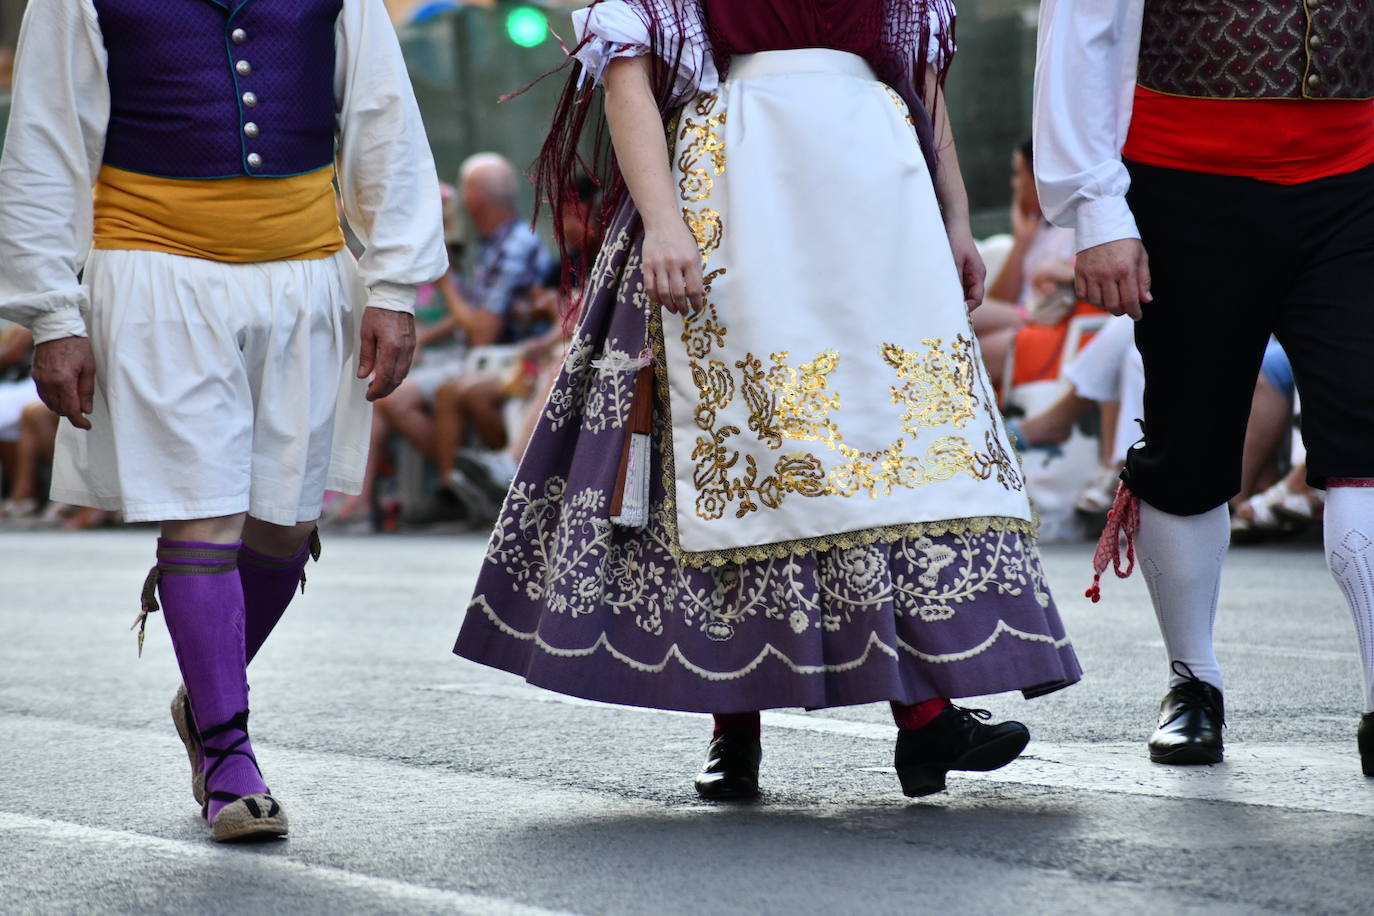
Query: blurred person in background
[[480, 476], [21, 448], [1036, 245], [1275, 499], [491, 307], [199, 325]]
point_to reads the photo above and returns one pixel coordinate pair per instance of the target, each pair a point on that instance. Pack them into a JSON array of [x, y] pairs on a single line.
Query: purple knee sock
[[269, 584], [202, 599]]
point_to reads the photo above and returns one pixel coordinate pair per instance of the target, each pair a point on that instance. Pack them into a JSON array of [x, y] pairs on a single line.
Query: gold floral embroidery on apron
[[937, 387]]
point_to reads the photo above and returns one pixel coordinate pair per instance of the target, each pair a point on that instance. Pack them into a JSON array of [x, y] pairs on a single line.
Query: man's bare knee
[[276, 540], [224, 530]]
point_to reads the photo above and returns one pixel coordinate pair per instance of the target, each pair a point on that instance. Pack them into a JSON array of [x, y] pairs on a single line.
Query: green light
[[527, 26]]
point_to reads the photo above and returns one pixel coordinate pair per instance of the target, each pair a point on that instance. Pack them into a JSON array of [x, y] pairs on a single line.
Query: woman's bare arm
[[672, 260], [949, 190]]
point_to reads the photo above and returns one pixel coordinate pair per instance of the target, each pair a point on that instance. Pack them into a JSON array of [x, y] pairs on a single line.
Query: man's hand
[[969, 264], [388, 347], [64, 371], [1114, 276]]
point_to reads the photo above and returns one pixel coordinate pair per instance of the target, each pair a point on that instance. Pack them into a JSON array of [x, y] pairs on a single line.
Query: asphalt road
[[419, 783]]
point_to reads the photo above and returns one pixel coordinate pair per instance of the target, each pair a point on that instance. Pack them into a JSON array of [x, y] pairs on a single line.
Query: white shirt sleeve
[[53, 149], [616, 29], [387, 178], [1085, 73]]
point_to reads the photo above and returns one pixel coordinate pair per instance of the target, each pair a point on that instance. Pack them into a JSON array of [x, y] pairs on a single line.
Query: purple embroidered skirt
[[576, 604]]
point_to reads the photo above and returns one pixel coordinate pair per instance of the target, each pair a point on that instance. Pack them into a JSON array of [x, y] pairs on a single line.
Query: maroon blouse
[[746, 26]]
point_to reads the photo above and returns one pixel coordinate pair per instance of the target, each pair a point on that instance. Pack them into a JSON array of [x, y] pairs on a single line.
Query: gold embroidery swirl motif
[[804, 399], [937, 387]]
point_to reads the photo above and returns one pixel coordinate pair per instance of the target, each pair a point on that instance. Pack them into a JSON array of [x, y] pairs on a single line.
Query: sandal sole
[[181, 719]]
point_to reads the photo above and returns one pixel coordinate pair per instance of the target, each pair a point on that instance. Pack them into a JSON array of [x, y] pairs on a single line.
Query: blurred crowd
[[1071, 385], [493, 332]]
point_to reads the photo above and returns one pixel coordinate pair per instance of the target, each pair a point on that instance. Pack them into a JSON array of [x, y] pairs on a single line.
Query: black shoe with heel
[[1191, 718], [955, 740], [732, 768]]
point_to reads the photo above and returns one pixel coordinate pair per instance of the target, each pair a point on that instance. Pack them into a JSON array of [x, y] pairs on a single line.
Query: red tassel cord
[[1123, 521]]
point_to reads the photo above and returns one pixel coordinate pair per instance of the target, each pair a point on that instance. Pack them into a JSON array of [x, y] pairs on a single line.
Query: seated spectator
[[28, 430], [479, 477], [1106, 375], [474, 406], [19, 409], [492, 307], [1272, 504], [1035, 245]]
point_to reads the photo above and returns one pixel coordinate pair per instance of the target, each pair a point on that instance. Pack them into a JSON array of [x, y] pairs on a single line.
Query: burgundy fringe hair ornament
[[579, 140]]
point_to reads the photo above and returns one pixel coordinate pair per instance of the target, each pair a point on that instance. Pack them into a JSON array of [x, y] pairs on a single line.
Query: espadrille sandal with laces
[[251, 817], [242, 817], [185, 722]]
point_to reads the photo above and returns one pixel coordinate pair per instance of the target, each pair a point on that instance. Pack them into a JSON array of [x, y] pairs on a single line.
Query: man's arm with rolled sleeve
[[389, 188], [1084, 85], [52, 155]]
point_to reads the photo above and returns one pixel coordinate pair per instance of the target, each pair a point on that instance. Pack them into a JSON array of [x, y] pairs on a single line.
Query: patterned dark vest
[[211, 89], [1257, 49]]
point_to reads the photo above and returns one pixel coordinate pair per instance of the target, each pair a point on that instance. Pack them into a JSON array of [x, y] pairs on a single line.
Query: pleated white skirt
[[220, 388]]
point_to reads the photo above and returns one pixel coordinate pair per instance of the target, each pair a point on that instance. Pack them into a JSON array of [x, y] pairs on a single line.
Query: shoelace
[[1197, 693], [983, 714], [218, 756]]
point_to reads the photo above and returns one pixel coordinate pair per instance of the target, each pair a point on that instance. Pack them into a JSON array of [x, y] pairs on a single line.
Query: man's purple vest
[[1256, 49], [211, 89]]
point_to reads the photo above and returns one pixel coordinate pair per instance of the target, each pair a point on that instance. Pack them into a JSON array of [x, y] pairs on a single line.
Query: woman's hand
[[672, 263], [969, 265], [672, 268]]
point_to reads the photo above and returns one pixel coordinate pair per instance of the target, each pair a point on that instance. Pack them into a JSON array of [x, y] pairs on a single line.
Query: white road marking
[[1308, 777], [1319, 655], [129, 841]]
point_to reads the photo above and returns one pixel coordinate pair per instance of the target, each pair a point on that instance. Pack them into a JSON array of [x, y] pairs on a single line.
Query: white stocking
[[1181, 557], [1348, 529]]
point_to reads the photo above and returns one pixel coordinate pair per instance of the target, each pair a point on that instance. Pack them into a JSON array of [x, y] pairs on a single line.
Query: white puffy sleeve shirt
[[56, 140], [53, 148], [615, 28], [387, 179], [1085, 74]]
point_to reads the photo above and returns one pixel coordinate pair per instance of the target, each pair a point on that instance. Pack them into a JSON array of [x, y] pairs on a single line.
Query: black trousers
[[1232, 261]]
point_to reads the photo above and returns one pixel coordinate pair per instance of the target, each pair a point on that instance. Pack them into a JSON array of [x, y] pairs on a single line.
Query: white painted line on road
[[1319, 655], [127, 841], [775, 719], [1306, 777]]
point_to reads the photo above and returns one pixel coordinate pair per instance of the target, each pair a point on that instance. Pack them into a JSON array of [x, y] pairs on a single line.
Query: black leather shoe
[[1191, 717], [1366, 739], [732, 768], [954, 740]]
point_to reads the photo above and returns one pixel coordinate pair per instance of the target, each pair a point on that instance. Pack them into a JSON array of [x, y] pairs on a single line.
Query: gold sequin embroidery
[[937, 387], [787, 403], [804, 398]]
